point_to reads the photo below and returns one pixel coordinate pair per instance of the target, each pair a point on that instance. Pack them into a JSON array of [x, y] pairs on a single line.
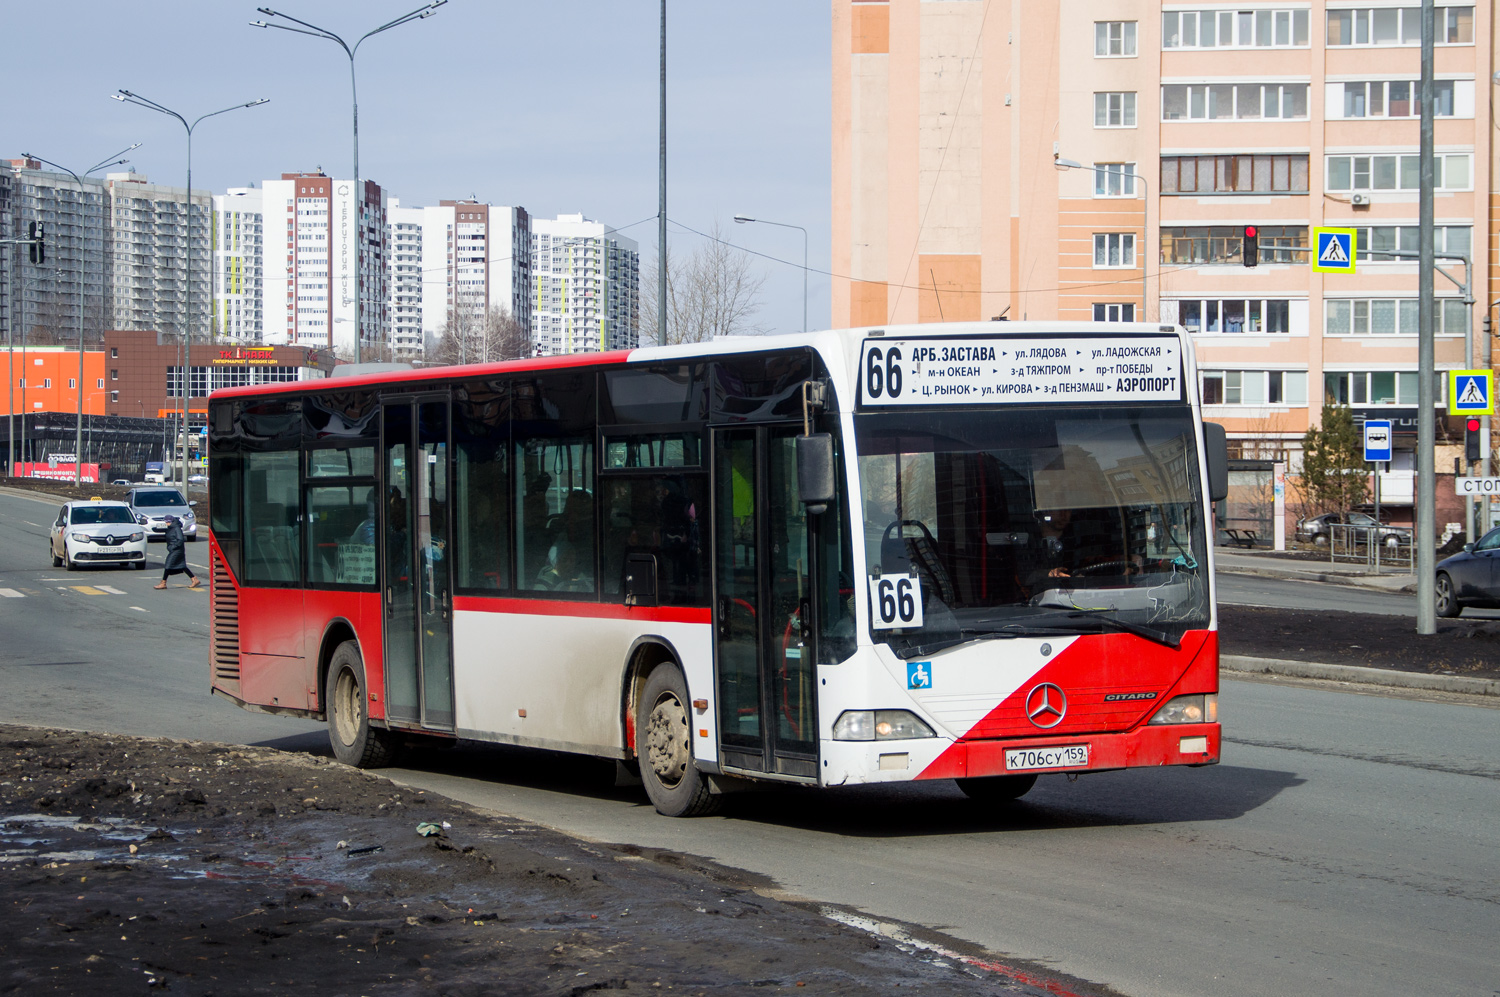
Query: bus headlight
[[1198, 709], [879, 725]]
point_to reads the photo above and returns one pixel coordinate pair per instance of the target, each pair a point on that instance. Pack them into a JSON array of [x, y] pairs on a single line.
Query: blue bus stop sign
[[1377, 439]]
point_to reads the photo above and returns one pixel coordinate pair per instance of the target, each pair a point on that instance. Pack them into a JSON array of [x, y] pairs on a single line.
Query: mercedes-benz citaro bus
[[971, 551]]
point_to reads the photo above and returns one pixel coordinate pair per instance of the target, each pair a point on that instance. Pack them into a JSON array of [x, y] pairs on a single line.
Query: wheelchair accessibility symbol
[[919, 675]]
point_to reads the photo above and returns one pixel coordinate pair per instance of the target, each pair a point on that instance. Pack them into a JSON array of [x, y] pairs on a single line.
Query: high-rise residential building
[[308, 282], [405, 280], [239, 248], [586, 286], [1099, 159], [147, 246]]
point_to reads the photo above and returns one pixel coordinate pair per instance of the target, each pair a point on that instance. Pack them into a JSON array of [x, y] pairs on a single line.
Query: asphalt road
[[1279, 593], [1348, 844]]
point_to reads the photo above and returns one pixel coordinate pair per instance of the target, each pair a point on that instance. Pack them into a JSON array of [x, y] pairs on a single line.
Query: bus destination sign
[[970, 370]]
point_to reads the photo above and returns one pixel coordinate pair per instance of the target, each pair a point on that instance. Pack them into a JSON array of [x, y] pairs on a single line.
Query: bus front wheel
[[664, 746], [997, 788], [354, 741]]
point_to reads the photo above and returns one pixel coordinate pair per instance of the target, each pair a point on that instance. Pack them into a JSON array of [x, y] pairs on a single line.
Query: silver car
[[152, 504]]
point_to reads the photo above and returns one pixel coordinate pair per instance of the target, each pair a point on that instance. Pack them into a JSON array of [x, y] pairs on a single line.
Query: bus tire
[[664, 746], [997, 788], [354, 741]]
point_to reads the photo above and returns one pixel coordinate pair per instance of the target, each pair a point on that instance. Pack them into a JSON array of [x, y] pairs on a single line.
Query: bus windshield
[[1030, 520]]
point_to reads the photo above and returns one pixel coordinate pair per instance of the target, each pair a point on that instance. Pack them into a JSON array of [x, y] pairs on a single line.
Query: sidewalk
[[1268, 565]]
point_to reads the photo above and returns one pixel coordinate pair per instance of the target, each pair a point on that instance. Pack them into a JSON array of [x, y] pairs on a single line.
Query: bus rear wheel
[[997, 788], [664, 745], [354, 741]]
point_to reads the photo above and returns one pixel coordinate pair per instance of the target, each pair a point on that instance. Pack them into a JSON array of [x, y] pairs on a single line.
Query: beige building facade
[[954, 122]]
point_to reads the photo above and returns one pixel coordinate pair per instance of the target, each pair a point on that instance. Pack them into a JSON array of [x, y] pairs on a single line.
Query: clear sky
[[551, 105]]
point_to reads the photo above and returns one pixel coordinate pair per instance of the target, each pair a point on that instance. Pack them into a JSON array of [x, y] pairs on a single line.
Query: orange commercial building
[[45, 379]]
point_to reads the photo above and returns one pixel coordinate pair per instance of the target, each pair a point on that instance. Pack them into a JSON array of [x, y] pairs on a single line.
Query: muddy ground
[[132, 865], [1460, 646]]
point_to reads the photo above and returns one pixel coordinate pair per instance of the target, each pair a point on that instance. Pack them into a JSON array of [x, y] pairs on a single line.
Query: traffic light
[[37, 233], [1251, 241], [1472, 448]]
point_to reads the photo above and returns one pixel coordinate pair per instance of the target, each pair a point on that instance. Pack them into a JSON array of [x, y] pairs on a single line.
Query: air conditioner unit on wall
[[1360, 200]]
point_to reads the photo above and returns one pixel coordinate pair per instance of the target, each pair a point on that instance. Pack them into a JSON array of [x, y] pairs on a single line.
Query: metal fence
[[1374, 547]]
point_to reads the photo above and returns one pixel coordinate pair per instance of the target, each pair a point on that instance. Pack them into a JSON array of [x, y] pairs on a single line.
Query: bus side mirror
[[1216, 451], [816, 483]]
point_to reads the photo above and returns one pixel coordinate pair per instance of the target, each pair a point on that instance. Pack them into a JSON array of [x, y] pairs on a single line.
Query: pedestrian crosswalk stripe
[[11, 594], [111, 590], [86, 589]]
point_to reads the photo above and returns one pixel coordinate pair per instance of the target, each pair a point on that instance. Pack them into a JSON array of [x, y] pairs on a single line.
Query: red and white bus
[[972, 551]]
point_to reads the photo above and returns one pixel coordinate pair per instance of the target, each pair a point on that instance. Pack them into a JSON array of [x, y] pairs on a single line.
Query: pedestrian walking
[[176, 555]]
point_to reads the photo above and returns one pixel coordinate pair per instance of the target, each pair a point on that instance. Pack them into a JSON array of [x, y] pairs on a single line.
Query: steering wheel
[[1107, 568]]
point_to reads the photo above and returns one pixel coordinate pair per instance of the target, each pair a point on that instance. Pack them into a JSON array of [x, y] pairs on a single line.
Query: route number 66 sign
[[896, 601]]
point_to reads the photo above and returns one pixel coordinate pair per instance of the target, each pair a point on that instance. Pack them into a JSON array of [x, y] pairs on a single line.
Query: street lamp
[[127, 97], [82, 249], [1068, 164], [424, 11], [742, 219]]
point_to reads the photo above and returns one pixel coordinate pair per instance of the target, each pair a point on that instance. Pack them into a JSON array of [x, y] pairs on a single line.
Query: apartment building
[[238, 258], [404, 279], [586, 286], [1099, 158], [147, 236], [308, 282], [45, 298]]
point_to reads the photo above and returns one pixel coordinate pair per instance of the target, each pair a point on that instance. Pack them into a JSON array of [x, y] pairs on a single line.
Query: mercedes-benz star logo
[[1046, 705]]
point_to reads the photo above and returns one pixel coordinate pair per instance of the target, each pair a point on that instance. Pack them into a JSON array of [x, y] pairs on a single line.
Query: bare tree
[[471, 337], [716, 292]]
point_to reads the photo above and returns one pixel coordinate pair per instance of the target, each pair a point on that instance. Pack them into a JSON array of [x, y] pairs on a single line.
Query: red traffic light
[[1250, 231], [1472, 425]]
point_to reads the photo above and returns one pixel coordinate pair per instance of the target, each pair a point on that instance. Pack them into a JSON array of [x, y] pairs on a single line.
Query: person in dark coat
[[176, 555]]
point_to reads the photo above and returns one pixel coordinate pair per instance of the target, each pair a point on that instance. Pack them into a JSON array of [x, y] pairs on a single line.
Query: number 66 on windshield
[[896, 601]]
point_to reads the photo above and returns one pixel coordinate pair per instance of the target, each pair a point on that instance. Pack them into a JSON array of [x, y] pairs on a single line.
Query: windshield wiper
[[1124, 626]]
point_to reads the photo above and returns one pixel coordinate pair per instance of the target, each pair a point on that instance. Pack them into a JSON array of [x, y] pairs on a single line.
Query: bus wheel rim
[[347, 706], [667, 740]]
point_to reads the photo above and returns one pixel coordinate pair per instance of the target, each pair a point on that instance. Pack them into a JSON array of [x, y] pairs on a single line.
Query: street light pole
[[1069, 164], [742, 219], [82, 249], [424, 11], [127, 97]]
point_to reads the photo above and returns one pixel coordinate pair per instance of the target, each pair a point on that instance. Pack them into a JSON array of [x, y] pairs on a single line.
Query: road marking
[[138, 609], [88, 590], [37, 525], [111, 589], [11, 594]]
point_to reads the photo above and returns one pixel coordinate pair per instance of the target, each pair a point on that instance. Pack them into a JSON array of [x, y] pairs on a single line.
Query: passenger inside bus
[[570, 561]]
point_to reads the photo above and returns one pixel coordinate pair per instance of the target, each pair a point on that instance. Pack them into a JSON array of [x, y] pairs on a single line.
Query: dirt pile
[[129, 865]]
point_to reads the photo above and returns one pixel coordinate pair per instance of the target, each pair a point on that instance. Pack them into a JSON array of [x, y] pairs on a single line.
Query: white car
[[97, 532]]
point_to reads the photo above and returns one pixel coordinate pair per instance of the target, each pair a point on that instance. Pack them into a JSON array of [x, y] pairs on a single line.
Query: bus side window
[[663, 515], [555, 514], [272, 531], [482, 491]]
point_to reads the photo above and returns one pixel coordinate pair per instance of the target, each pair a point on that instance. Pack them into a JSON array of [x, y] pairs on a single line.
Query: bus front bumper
[[1153, 745]]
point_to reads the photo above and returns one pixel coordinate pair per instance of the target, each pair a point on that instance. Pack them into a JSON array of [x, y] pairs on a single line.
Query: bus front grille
[[224, 635]]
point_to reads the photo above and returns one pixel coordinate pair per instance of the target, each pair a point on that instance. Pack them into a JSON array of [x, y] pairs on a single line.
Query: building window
[[1232, 315], [1114, 312], [1253, 387], [1398, 99], [1114, 179], [114, 352], [1233, 101], [1114, 110], [1114, 38], [1457, 239], [1239, 174], [1450, 171], [114, 396], [1380, 26], [72, 383], [1376, 387], [99, 383], [1389, 316], [46, 382], [1222, 244], [1234, 29], [1114, 250]]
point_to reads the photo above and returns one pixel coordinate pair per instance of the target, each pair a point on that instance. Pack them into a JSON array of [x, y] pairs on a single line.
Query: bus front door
[[766, 684], [417, 591]]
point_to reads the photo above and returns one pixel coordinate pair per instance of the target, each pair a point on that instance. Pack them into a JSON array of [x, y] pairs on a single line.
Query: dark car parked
[[1470, 577], [1315, 530]]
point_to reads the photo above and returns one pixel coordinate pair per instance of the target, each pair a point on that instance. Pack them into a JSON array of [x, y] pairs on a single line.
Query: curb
[[1357, 673], [1330, 578]]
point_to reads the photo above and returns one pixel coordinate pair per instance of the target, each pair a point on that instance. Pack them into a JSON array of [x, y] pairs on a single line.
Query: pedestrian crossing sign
[[1471, 392], [1334, 249]]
